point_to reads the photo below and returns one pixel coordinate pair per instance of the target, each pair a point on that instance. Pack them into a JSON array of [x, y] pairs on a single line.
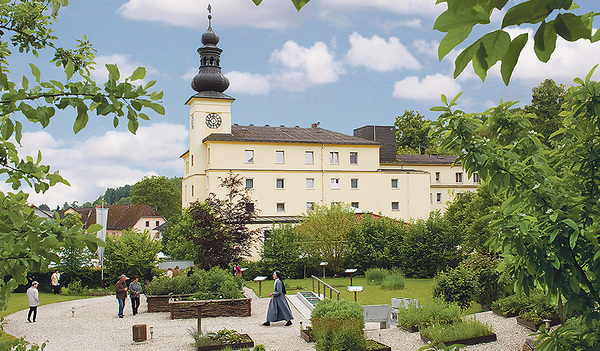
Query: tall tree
[[160, 193], [412, 134], [132, 253], [27, 242], [545, 107], [326, 231], [548, 222]]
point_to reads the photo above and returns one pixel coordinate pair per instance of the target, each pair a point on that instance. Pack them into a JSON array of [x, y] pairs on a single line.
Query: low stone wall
[[211, 308], [160, 303]]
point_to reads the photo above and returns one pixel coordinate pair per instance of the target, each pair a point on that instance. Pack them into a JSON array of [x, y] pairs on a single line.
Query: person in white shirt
[[34, 301]]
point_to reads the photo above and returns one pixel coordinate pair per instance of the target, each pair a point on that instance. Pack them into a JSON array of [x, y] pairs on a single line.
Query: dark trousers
[[32, 309], [135, 303], [56, 289]]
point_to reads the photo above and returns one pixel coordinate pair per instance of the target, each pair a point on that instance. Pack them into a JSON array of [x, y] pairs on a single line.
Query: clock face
[[213, 120]]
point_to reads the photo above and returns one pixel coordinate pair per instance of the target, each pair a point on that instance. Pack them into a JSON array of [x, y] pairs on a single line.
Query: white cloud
[[192, 13], [428, 89], [109, 160], [408, 7], [380, 55], [302, 67], [247, 83], [123, 62], [429, 48]]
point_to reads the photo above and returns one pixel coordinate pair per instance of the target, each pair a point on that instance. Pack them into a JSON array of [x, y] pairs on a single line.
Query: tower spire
[[209, 79]]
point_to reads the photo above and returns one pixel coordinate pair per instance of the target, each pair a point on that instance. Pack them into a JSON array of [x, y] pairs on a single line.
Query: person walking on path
[[34, 301], [54, 281], [279, 310], [135, 289], [121, 289]]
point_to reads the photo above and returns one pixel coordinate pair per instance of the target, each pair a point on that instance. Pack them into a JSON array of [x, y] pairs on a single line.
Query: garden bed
[[373, 345], [536, 325], [505, 315], [247, 342], [468, 341], [306, 334], [211, 308], [160, 303]]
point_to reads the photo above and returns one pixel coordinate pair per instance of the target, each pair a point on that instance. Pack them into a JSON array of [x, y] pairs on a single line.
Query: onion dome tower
[[210, 82]]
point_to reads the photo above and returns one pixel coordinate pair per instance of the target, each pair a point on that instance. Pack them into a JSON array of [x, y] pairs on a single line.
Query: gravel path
[[95, 326]]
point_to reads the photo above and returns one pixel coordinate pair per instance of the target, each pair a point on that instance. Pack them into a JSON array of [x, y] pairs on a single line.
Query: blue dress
[[279, 310]]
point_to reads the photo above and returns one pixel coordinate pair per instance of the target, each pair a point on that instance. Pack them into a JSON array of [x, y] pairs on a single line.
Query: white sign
[[352, 288]]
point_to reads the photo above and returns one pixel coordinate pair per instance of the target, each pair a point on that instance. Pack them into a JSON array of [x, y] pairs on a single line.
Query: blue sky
[[344, 63]]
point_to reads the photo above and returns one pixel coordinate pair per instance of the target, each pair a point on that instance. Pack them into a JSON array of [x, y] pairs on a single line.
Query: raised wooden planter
[[211, 308], [505, 315], [411, 329], [160, 303], [469, 341], [380, 346], [535, 326], [306, 334], [247, 342]]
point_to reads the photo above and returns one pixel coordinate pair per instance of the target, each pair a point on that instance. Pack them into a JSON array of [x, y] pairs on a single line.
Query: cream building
[[290, 169]]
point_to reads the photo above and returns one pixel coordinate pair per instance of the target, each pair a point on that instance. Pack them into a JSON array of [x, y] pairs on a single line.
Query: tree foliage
[[27, 242], [412, 134], [548, 220], [74, 254], [214, 232], [545, 106], [325, 232], [132, 253], [282, 251], [159, 192]]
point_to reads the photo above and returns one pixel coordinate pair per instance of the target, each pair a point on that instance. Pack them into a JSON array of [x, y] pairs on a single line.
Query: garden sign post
[[260, 279]]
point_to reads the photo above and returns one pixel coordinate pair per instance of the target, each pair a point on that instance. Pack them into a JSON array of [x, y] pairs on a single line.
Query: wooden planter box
[[160, 303], [211, 308], [535, 326], [306, 334], [505, 315], [411, 329], [469, 341], [248, 342], [382, 347]]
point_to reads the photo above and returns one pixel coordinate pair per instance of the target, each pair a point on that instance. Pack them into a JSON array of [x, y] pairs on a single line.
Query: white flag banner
[[101, 218]]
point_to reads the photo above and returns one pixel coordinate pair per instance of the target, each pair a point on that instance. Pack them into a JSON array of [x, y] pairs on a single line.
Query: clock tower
[[210, 112]]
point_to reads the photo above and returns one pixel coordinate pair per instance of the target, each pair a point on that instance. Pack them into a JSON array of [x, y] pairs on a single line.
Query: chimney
[[385, 135]]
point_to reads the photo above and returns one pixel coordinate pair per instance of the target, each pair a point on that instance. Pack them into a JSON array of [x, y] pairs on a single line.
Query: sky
[[343, 63]]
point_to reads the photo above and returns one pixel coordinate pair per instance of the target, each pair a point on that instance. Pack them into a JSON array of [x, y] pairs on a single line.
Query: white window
[[310, 183], [280, 183], [335, 183], [309, 158], [281, 207], [310, 206], [476, 177], [354, 158], [438, 198], [354, 183], [249, 183], [187, 166], [438, 177], [249, 156], [279, 157], [354, 204], [459, 177], [206, 183], [334, 158], [395, 206], [394, 183]]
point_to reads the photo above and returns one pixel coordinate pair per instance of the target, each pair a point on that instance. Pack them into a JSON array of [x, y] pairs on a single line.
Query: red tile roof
[[120, 217]]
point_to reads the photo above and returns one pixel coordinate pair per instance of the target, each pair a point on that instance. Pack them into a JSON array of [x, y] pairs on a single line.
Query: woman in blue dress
[[279, 310]]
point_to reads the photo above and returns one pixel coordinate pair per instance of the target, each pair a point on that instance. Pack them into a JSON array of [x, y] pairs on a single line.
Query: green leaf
[[139, 73], [156, 107], [300, 3], [573, 239], [571, 224], [94, 228], [509, 61], [527, 12], [257, 2], [132, 126], [70, 69], [589, 75], [35, 71], [464, 58], [452, 39], [113, 71], [25, 83], [18, 131], [115, 121], [80, 122], [544, 41], [572, 27]]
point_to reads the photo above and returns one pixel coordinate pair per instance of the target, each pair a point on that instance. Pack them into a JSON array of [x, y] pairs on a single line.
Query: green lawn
[[371, 295], [17, 302]]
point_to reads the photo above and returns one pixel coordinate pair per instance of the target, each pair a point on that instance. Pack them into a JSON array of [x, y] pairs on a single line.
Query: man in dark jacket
[[121, 289]]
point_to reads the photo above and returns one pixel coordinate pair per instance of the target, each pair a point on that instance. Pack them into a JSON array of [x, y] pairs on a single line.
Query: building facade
[[292, 169]]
